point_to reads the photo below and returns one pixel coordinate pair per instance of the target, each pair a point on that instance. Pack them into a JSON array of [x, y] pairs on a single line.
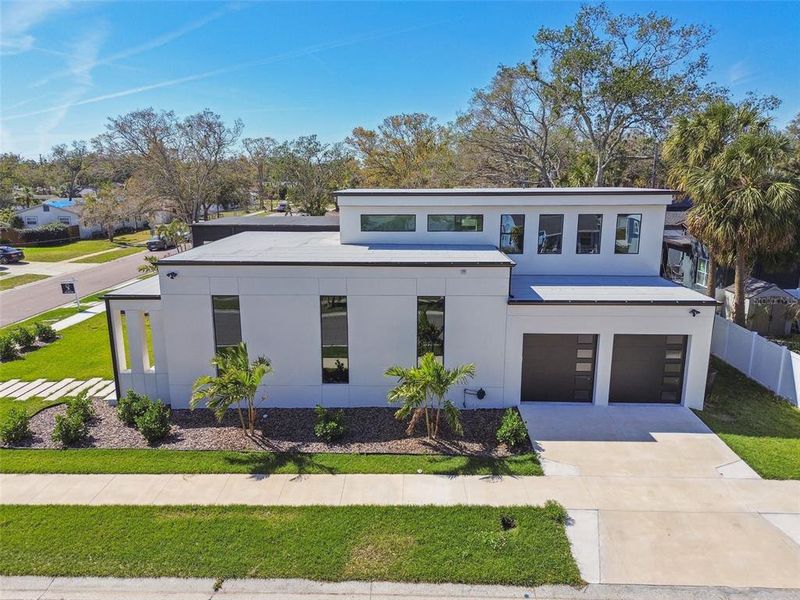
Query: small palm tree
[[150, 264], [236, 382], [422, 390]]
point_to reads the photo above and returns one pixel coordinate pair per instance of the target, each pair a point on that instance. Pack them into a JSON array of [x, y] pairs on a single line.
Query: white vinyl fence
[[770, 364]]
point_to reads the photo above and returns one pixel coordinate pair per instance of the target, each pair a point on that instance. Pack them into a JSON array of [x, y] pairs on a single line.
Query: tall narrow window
[[589, 229], [512, 234], [335, 361], [227, 323], [627, 236], [702, 272], [430, 326], [551, 230]]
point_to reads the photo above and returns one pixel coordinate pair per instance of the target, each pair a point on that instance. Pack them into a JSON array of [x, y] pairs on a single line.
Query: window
[[45, 207], [388, 222], [551, 228], [430, 326], [589, 228], [455, 222], [512, 234], [335, 362], [227, 323], [31, 220], [702, 272], [63, 220], [627, 237]]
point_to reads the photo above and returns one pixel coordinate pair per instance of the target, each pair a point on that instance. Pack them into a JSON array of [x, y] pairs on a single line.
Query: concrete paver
[[7, 385]]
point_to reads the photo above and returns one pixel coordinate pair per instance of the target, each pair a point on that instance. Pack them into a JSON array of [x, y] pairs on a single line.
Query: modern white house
[[554, 294]]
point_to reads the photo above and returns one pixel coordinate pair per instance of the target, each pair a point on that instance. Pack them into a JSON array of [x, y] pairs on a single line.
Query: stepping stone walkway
[[97, 388]]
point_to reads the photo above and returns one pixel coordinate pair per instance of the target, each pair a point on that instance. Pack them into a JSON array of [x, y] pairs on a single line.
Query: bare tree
[[73, 161], [261, 154]]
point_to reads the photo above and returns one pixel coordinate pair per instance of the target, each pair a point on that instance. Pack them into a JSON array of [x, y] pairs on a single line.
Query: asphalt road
[[27, 301]]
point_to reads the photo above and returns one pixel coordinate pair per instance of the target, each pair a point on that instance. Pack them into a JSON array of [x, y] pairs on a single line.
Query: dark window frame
[[455, 217], [364, 216], [421, 349], [332, 378], [599, 233], [507, 248], [617, 247], [539, 230]]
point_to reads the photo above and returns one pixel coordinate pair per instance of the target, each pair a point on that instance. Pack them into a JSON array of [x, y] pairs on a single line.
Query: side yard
[[760, 427]]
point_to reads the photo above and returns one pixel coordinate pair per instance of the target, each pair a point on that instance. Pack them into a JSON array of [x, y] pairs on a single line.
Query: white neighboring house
[[554, 295], [66, 212]]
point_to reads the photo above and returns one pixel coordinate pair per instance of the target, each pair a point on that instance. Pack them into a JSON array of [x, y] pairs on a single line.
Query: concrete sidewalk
[[106, 588]]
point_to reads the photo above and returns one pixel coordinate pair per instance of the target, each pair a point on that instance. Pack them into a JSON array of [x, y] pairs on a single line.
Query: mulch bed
[[369, 431]]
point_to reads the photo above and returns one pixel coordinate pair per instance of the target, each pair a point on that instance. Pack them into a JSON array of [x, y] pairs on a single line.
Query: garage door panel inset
[[647, 368], [558, 367]]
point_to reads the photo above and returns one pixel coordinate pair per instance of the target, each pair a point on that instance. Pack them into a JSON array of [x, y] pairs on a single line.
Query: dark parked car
[[10, 255], [158, 243]]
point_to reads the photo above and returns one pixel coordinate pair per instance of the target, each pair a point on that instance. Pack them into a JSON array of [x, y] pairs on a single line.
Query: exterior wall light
[[172, 274], [694, 312]]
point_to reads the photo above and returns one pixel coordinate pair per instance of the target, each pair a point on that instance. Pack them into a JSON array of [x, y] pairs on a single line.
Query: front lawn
[[17, 280], [109, 256], [31, 405], [138, 238], [82, 352], [218, 461], [464, 544], [758, 426], [66, 251]]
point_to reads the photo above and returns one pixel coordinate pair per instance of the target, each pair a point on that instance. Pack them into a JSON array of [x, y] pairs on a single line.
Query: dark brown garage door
[[558, 368], [647, 368]]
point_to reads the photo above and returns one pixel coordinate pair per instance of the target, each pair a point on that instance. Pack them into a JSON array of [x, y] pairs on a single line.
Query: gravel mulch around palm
[[369, 430]]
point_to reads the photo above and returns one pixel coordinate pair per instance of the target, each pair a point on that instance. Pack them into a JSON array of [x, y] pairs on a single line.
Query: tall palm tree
[[422, 390], [692, 145], [236, 382]]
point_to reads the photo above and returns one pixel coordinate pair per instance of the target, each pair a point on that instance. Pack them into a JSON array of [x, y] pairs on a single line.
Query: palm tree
[[236, 382], [422, 390], [693, 144]]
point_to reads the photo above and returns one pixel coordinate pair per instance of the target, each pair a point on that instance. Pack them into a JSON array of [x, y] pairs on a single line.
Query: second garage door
[[647, 368]]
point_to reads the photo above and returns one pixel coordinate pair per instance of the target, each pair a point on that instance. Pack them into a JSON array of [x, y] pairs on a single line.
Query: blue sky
[[290, 69]]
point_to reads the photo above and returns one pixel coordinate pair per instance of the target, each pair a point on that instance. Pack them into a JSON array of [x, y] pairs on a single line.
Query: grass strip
[[17, 280], [218, 461], [66, 251], [763, 429], [463, 544], [31, 405], [109, 256]]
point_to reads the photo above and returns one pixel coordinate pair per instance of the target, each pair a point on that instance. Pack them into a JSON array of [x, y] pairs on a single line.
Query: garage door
[[558, 368], [647, 368]]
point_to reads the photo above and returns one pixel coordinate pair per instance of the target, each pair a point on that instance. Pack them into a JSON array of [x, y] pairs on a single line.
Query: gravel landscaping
[[369, 430]]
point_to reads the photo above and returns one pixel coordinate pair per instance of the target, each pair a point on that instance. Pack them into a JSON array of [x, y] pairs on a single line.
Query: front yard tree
[[423, 391], [105, 208], [236, 383]]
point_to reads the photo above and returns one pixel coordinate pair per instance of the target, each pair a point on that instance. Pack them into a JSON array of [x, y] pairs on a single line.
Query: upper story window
[[430, 326], [388, 222], [551, 232], [335, 360], [31, 220], [512, 234], [701, 277], [63, 220], [626, 240], [455, 222], [589, 229], [227, 322]]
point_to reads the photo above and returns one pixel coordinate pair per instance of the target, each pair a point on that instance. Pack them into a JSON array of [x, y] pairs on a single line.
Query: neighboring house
[[67, 212], [554, 295], [769, 309]]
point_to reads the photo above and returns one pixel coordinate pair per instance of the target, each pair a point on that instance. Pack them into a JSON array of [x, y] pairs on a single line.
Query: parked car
[[9, 254], [158, 243], [282, 206]]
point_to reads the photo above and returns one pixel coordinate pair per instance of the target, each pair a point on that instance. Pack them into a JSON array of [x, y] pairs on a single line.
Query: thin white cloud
[[19, 18], [740, 72]]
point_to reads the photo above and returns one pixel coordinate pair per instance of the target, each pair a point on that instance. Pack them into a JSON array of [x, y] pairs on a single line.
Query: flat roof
[[324, 248], [596, 289], [277, 222], [589, 191], [145, 289]]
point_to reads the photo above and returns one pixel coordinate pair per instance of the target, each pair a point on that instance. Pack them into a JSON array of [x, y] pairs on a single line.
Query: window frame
[[704, 272], [31, 220], [64, 220], [539, 230], [364, 216], [599, 233], [443, 300], [638, 222], [506, 249], [346, 379], [217, 345], [479, 217]]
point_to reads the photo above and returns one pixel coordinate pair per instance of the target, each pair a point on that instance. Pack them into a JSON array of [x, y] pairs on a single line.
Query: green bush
[[81, 406], [512, 431], [130, 406], [70, 429], [556, 512], [15, 428], [24, 337], [8, 348], [153, 423], [330, 425], [45, 333]]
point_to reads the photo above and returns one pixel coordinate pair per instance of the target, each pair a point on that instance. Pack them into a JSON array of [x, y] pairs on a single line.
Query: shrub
[[556, 512], [153, 423], [330, 425], [70, 429], [512, 431], [15, 428], [507, 522], [8, 348], [130, 406], [24, 337], [52, 232], [81, 407], [45, 333]]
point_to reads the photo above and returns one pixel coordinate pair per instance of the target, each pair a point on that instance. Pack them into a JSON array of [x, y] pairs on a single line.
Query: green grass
[[464, 544], [66, 251], [17, 280], [32, 405], [138, 238], [216, 461], [82, 352], [758, 426], [109, 256]]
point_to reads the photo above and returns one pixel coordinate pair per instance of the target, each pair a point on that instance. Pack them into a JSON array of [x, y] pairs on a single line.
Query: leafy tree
[[106, 208], [150, 264], [422, 390], [261, 153], [236, 382], [73, 161], [174, 233]]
